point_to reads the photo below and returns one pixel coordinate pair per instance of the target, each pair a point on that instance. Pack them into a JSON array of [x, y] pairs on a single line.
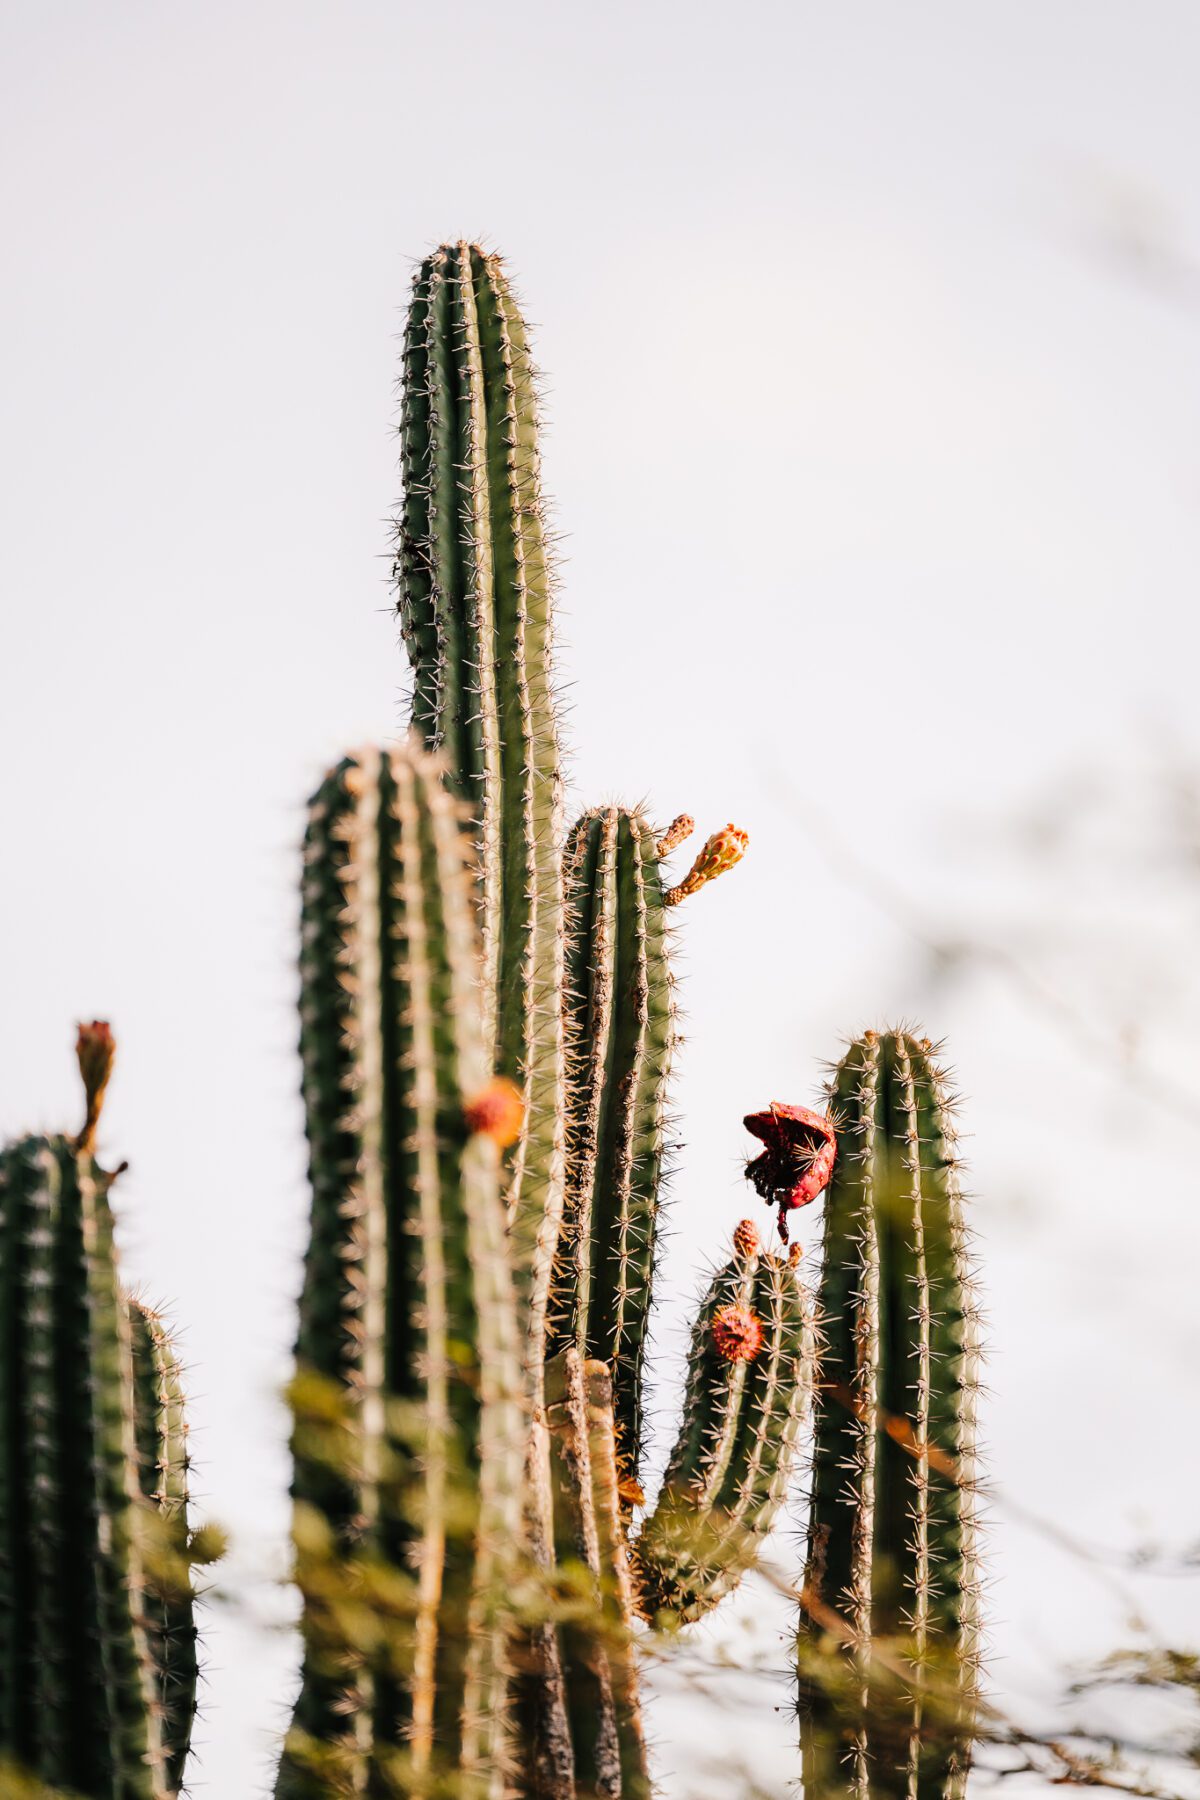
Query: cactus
[[97, 1658], [747, 1393], [892, 1555], [475, 608], [407, 1310], [618, 1029], [160, 1432], [487, 1032], [577, 1004]]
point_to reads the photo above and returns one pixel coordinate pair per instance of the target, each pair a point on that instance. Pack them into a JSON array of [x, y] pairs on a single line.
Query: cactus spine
[[96, 1666], [475, 608], [747, 1393], [892, 1552], [408, 1308]]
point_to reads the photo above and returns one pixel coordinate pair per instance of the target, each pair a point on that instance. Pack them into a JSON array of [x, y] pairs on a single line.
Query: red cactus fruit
[[797, 1161], [738, 1333], [95, 1049], [497, 1111], [745, 1238]]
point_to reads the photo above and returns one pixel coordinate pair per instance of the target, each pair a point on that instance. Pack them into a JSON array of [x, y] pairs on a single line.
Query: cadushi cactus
[[487, 1036], [892, 1558], [408, 1309], [97, 1640]]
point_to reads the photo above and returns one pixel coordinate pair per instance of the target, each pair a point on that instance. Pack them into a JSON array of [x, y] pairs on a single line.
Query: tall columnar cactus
[[408, 1310], [97, 1659], [475, 607], [749, 1375], [619, 1027], [892, 1564]]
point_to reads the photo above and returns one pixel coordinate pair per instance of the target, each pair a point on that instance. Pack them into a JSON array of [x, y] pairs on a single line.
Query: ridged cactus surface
[[748, 1383], [161, 1435], [475, 608], [97, 1655], [619, 1020], [599, 1658], [892, 1539], [408, 1308]]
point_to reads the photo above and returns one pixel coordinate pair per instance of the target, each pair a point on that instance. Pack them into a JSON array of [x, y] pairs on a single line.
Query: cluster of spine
[[487, 1028], [97, 1640], [475, 608], [408, 1311], [892, 1562]]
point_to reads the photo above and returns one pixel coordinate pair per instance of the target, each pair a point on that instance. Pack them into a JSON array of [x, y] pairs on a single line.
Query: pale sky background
[[871, 335]]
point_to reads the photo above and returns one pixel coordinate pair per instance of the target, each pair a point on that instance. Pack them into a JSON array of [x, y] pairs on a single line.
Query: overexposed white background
[[871, 336]]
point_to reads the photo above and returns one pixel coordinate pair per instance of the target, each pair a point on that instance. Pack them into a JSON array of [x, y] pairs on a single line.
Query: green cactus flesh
[[619, 1021], [892, 1556], [407, 1310], [475, 608], [748, 1384], [78, 1687]]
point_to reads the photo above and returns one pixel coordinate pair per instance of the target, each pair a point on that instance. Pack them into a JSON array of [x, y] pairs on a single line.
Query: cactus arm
[[475, 608], [408, 1216], [42, 1436], [619, 1018], [590, 1706], [79, 1700], [136, 1734], [617, 1593], [731, 1468], [891, 1536]]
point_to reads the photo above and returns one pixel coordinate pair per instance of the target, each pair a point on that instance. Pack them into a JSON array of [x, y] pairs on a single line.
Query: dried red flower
[[737, 1333], [497, 1111], [798, 1158]]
